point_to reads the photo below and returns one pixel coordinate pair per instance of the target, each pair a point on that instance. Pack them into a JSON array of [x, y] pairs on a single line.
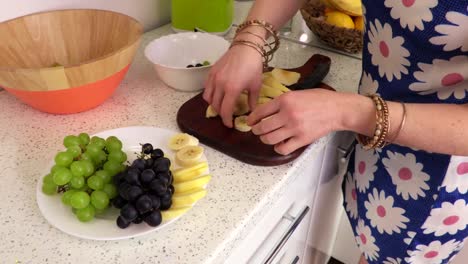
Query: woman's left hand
[[296, 119]]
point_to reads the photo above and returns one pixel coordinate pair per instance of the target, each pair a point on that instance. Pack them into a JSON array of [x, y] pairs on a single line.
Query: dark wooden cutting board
[[245, 147]]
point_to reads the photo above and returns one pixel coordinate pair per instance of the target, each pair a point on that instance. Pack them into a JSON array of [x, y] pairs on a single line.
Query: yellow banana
[[268, 91], [273, 82], [263, 100]]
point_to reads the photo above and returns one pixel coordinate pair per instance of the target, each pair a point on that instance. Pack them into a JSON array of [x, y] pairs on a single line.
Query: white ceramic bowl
[[171, 54]]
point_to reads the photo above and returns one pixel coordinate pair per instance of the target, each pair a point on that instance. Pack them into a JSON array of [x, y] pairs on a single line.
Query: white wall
[[151, 13]]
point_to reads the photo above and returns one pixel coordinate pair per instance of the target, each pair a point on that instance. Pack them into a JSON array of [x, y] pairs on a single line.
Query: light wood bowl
[[79, 56]]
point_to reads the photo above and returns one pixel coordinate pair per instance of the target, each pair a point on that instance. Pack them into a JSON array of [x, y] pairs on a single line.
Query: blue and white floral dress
[[408, 205]]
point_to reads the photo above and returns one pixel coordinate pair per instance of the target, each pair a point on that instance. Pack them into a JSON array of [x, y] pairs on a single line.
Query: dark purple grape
[[119, 202], [157, 153], [158, 187], [155, 201], [119, 177], [167, 195], [134, 192], [147, 148], [149, 163], [138, 164], [190, 66], [198, 65], [144, 204], [171, 178], [122, 223], [171, 189], [161, 165], [133, 176], [163, 177], [137, 220], [147, 176], [154, 219], [123, 190], [165, 204], [129, 212]]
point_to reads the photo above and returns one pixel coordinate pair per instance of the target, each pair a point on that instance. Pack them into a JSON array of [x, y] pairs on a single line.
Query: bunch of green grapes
[[83, 174]]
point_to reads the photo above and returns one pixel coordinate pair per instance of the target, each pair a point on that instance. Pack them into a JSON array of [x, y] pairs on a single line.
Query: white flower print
[[387, 52], [392, 261], [351, 196], [449, 219], [412, 13], [410, 237], [368, 86], [364, 166], [456, 177], [434, 253], [453, 36], [444, 77], [366, 242], [383, 215], [406, 174]]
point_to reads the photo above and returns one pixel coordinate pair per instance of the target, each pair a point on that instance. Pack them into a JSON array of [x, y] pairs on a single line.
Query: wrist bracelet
[[382, 126]]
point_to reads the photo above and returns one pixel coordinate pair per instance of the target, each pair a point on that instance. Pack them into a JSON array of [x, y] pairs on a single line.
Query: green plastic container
[[214, 16]]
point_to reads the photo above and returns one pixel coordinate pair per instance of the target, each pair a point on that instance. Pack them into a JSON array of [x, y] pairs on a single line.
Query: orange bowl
[[67, 61]]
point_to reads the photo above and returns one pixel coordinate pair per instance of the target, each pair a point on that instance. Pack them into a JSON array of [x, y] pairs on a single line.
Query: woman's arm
[[441, 128]]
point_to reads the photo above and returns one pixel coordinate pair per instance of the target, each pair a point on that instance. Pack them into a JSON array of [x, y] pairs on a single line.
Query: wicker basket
[[349, 40]]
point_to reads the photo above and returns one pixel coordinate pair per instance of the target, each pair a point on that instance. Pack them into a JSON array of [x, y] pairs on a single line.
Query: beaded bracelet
[[382, 126], [255, 46]]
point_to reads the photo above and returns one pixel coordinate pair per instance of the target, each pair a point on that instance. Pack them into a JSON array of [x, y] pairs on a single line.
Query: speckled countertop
[[237, 197]]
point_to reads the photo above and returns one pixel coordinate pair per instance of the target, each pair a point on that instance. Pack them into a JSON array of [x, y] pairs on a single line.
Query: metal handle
[[295, 260], [296, 221]]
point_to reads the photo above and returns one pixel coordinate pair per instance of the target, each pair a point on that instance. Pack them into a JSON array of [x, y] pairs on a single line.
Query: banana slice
[[182, 140], [210, 112], [263, 100], [190, 173], [242, 105], [174, 212], [268, 91], [187, 186], [240, 123], [188, 199], [189, 156], [276, 84], [286, 77], [266, 75]]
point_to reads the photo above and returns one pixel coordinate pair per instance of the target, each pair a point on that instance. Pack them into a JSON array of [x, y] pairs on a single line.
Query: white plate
[[105, 228]]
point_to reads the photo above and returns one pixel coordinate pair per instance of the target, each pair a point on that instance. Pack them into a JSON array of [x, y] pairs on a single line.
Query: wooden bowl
[[66, 61]]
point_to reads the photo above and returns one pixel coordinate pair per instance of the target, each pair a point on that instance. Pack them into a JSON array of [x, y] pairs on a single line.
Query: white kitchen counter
[[238, 195]]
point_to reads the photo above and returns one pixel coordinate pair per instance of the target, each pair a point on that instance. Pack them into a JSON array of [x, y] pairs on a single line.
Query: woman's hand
[[238, 70], [296, 119]]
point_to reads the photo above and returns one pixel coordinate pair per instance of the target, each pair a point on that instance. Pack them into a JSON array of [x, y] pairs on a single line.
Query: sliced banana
[[273, 82], [268, 91], [174, 212], [190, 173], [242, 105], [210, 112], [266, 75], [182, 140], [188, 199], [263, 100], [286, 77], [240, 123], [200, 182], [189, 156]]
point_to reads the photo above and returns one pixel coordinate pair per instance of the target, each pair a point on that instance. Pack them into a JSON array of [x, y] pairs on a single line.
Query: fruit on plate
[[83, 174], [210, 112], [349, 7], [190, 173], [285, 77], [189, 156], [240, 124], [188, 198], [263, 100], [174, 212], [182, 140], [339, 19], [144, 189], [359, 23], [186, 186], [242, 105]]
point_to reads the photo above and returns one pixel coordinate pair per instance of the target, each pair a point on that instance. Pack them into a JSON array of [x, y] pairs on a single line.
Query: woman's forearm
[[440, 128]]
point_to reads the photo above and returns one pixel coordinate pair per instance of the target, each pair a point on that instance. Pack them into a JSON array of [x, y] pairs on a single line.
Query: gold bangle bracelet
[[402, 123]]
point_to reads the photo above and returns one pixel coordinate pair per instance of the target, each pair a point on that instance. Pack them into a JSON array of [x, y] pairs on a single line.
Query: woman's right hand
[[240, 69]]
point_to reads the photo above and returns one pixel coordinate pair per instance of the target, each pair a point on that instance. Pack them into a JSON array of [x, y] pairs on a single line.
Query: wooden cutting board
[[245, 147]]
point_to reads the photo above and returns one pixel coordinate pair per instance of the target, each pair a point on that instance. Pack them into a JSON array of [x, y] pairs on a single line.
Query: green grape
[[48, 178], [89, 168], [74, 150], [98, 141], [99, 211], [93, 150], [99, 199], [86, 156], [62, 176], [78, 168], [80, 200], [113, 144], [100, 158], [117, 156], [104, 175], [63, 159], [95, 183], [84, 139], [112, 167], [122, 167], [85, 214], [55, 168], [66, 197], [110, 190], [49, 188], [77, 182], [71, 140]]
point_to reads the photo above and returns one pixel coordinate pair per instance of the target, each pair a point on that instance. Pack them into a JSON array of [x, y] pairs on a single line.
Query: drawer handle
[[296, 221], [295, 260]]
